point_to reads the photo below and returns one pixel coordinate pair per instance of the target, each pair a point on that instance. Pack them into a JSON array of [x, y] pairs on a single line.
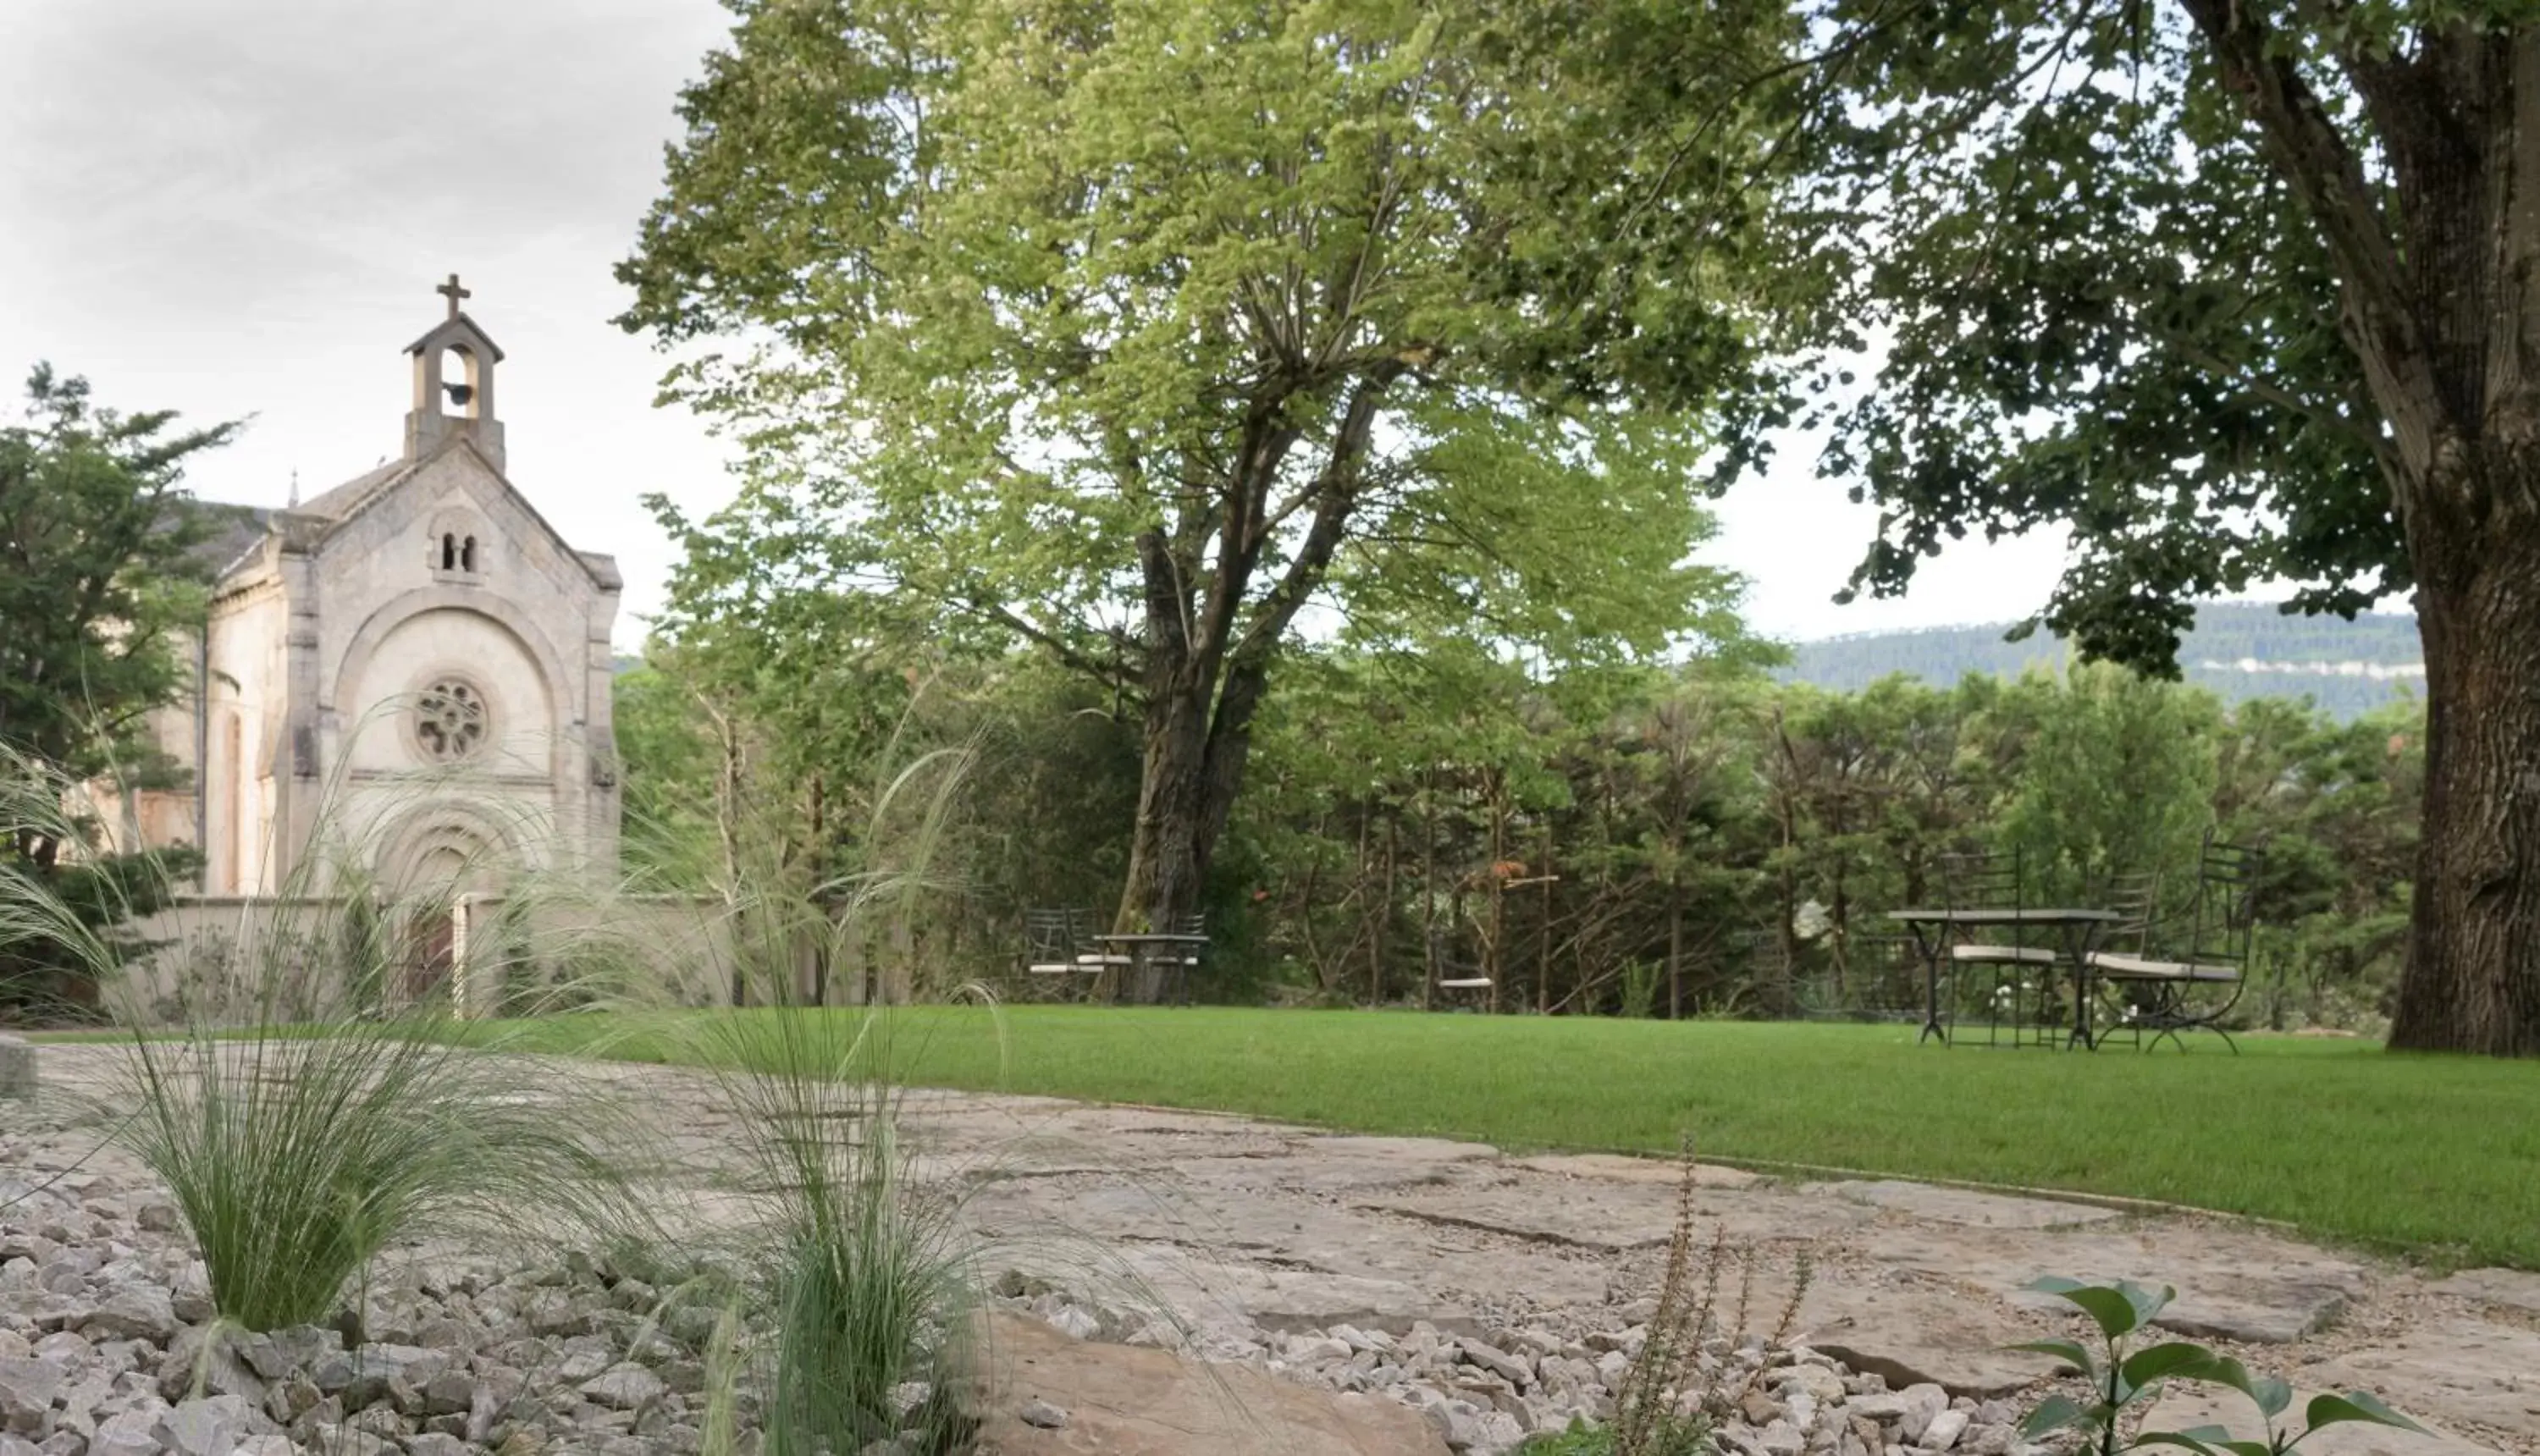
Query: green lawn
[[2435, 1157]]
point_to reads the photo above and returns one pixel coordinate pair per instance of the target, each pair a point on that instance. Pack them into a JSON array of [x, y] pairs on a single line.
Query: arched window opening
[[467, 555], [459, 379], [448, 551]]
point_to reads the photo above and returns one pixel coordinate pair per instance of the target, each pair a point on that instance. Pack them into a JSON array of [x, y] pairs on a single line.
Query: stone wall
[[235, 958]]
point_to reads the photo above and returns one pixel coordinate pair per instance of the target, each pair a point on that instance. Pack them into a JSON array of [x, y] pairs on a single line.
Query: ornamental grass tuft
[[303, 1120]]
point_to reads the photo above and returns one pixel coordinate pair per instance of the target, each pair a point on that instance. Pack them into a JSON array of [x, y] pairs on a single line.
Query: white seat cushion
[[2118, 968], [1058, 969], [1465, 985], [2021, 955], [1104, 960]]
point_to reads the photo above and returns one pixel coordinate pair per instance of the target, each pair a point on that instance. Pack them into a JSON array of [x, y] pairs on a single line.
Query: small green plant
[[1640, 989], [1666, 1399], [2122, 1377], [1663, 1406]]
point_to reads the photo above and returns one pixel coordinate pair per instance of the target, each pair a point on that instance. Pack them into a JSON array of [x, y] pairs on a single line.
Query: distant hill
[[2239, 650]]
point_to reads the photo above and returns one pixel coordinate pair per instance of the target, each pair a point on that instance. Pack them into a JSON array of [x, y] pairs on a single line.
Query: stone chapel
[[412, 670]]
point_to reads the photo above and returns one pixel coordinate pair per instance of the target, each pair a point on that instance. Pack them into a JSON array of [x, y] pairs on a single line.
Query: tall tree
[[102, 581], [102, 586], [2237, 290], [1134, 328]]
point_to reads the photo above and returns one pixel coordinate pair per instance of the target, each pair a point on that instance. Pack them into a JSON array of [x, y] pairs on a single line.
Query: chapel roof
[[242, 531], [343, 500]]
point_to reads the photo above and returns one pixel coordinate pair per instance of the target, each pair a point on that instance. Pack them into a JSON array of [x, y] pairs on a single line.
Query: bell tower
[[453, 385]]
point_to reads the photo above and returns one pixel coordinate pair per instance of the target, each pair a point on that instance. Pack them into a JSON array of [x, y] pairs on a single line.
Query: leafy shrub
[[2122, 1376]]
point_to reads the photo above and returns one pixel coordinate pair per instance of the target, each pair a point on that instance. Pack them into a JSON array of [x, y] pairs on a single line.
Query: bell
[[460, 394]]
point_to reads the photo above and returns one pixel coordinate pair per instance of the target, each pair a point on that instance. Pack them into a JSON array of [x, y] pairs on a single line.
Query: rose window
[[450, 720]]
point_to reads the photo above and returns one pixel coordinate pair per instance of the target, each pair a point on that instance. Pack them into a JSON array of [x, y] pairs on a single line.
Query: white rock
[[210, 1426], [1511, 1368], [27, 1391], [1499, 1432], [133, 1312], [129, 1433], [1887, 1408], [1922, 1403], [627, 1387], [1040, 1412], [1945, 1430], [1822, 1385], [1308, 1350]]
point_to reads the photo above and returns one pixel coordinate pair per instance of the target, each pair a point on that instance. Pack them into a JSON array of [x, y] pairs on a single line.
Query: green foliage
[[2124, 1373], [2100, 304], [53, 975], [296, 1157], [106, 580], [1685, 1438], [1128, 332], [104, 586], [1580, 1439], [860, 1273], [1694, 818], [855, 1278], [2116, 776]]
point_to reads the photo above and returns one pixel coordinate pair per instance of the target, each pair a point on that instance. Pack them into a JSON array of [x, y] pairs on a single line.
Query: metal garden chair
[[1993, 879], [2196, 986], [1059, 942]]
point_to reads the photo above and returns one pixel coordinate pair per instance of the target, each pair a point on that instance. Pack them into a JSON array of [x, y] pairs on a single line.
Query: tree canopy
[[2238, 290], [103, 578], [1140, 331]]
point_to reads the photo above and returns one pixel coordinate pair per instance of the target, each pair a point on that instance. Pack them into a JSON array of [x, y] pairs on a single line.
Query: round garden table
[[2075, 927]]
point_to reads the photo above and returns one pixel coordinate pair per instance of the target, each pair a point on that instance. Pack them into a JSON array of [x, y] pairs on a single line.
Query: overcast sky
[[240, 209]]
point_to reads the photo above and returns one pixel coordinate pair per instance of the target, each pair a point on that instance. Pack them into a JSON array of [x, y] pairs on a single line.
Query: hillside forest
[[2238, 650]]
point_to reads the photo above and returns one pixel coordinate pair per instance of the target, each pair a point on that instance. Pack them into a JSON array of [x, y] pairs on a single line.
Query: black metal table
[[1930, 930]]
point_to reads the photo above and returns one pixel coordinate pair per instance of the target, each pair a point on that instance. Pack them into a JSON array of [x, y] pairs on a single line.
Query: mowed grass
[[2436, 1158]]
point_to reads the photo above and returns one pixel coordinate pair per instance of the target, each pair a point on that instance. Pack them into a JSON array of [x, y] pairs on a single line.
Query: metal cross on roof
[[453, 292]]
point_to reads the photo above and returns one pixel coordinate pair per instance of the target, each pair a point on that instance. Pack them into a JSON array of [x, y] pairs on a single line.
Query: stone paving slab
[[1969, 1207], [1240, 1229], [1119, 1400], [1913, 1329], [2515, 1288], [2187, 1407], [1614, 1217], [2233, 1285], [1617, 1168], [2462, 1370]]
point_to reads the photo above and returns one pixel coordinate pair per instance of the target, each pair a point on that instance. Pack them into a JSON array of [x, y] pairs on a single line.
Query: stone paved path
[[1241, 1222]]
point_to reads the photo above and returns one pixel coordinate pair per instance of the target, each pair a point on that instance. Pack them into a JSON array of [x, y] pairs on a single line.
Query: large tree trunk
[[1206, 669], [1170, 851], [1196, 747], [2436, 252], [2473, 977]]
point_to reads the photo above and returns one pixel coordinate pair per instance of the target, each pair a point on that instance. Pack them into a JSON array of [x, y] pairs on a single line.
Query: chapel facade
[[408, 674]]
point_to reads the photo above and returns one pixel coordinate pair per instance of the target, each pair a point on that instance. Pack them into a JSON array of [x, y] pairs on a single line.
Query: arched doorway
[[431, 862]]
